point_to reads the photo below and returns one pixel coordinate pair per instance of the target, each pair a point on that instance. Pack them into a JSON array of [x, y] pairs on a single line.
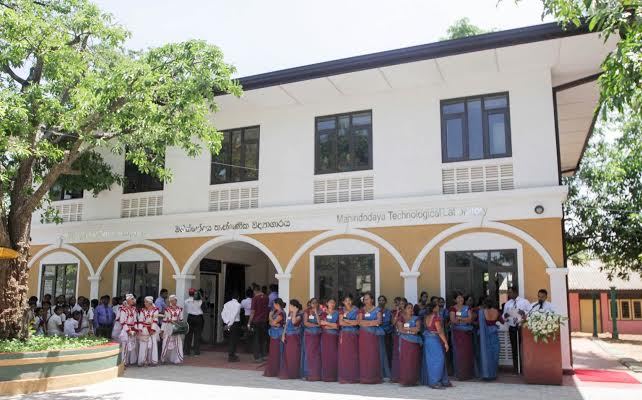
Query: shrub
[[42, 343]]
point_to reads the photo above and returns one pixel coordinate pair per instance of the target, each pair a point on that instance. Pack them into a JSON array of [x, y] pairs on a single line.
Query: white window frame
[[345, 247]]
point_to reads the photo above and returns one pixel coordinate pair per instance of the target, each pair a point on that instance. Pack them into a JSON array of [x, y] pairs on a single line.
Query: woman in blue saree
[[408, 326], [461, 318], [488, 340], [291, 366], [373, 363], [277, 320], [311, 357], [349, 342], [329, 342], [396, 316], [388, 327], [434, 372]]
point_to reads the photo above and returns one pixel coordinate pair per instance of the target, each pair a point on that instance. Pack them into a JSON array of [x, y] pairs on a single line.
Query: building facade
[[432, 168], [588, 282]]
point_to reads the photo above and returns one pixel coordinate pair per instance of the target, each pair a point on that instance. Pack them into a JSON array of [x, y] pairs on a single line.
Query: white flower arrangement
[[544, 325]]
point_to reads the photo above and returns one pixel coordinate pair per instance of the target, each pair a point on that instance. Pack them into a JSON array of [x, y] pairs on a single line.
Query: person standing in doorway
[[195, 320], [231, 316], [104, 317], [161, 304], [258, 322], [515, 311]]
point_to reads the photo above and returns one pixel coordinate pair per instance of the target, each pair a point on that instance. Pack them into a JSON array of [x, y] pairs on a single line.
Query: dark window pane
[[326, 124], [238, 159], [626, 309], [343, 143], [338, 276], [59, 279], [344, 162], [454, 138], [138, 182], [361, 139], [491, 103], [362, 119], [497, 133], [637, 309], [475, 131], [453, 108]]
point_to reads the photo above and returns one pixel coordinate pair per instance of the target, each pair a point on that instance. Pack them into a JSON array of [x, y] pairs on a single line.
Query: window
[[337, 276], [238, 159], [138, 182], [481, 273], [58, 279], [58, 192], [343, 143], [475, 128], [138, 278], [627, 309]]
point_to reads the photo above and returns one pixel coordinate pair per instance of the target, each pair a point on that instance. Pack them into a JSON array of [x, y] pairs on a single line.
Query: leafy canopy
[[68, 86], [463, 28]]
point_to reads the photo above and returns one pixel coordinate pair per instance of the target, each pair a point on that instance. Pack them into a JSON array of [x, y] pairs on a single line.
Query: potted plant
[[541, 350]]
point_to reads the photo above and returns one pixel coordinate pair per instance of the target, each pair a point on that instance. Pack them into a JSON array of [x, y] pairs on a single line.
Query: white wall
[[406, 142]]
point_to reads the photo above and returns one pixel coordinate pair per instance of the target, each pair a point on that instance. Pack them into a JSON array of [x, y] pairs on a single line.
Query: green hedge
[[42, 343]]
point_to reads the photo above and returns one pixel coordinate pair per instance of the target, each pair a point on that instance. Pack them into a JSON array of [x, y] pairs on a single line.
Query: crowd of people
[[357, 341]]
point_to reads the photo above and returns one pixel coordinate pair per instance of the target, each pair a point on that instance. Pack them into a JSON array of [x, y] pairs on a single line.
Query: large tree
[[604, 209], [68, 86]]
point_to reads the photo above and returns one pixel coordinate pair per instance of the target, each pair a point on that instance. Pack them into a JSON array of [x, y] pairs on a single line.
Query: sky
[[260, 36]]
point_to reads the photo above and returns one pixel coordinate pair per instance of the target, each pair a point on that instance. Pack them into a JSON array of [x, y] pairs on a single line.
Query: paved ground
[[198, 380], [627, 350]]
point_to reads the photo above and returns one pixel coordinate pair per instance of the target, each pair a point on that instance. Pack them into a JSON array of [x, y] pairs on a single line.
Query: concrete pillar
[[410, 285], [183, 282], [284, 286], [559, 299], [94, 287]]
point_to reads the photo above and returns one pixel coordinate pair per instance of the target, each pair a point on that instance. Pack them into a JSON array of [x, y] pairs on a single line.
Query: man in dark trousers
[[231, 316], [258, 322], [195, 320]]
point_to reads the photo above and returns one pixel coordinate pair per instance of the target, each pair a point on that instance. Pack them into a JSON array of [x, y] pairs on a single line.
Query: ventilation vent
[[488, 178], [69, 211], [141, 206], [505, 353], [242, 198], [341, 190]]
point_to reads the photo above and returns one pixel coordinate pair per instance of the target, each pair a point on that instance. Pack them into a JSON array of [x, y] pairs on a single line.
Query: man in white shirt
[[542, 305], [195, 320], [71, 325], [54, 323], [231, 316], [515, 311]]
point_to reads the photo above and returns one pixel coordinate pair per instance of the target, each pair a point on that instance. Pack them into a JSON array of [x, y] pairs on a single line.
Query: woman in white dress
[[115, 331], [128, 320], [148, 334], [172, 344]]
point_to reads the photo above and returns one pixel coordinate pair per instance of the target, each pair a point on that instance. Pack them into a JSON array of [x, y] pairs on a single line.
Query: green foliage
[[621, 80], [463, 28], [605, 199], [68, 87], [51, 343]]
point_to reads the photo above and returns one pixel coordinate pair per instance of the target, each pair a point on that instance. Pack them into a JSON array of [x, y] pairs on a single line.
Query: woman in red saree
[[311, 356], [291, 366], [370, 366], [329, 342], [349, 342], [277, 320], [461, 317], [408, 327]]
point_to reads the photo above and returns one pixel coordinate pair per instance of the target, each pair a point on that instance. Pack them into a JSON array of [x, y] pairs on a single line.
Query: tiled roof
[[589, 277]]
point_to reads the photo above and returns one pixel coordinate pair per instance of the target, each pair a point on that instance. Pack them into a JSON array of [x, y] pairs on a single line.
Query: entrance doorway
[[485, 273], [225, 270]]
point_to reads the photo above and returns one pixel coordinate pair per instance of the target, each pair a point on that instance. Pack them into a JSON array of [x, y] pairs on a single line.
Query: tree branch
[[14, 76]]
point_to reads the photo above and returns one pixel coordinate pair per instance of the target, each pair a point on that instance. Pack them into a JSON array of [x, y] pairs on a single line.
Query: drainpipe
[[615, 334], [594, 298]]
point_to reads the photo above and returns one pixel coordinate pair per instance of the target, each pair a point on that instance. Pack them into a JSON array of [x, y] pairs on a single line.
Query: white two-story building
[[431, 168]]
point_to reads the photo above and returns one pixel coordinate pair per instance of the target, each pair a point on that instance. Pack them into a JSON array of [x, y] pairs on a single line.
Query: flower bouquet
[[544, 325]]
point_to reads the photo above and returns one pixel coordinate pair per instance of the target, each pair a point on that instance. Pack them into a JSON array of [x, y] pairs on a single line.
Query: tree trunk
[[13, 295]]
